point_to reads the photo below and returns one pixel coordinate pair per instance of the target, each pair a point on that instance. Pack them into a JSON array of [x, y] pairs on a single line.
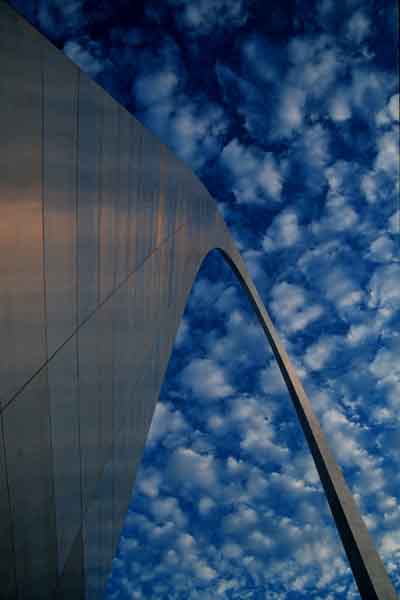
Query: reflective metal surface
[[22, 340], [30, 479], [64, 419], [60, 93], [102, 232]]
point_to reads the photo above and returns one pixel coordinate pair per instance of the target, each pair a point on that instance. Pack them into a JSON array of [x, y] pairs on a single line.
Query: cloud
[[182, 333], [155, 87], [320, 353], [388, 152], [256, 176], [203, 17], [341, 287], [206, 379], [149, 482], [358, 27], [188, 466], [271, 380], [394, 107], [84, 55], [167, 422], [384, 288], [243, 344], [284, 232], [206, 505], [382, 249], [339, 216], [340, 107], [291, 112], [293, 308]]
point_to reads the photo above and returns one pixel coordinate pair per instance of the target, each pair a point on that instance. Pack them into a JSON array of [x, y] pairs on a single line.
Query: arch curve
[[102, 233]]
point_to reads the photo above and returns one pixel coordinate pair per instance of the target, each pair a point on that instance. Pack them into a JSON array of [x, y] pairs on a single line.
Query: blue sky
[[289, 113]]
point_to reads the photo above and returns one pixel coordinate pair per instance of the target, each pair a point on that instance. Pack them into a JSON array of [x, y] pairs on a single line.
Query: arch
[[102, 231]]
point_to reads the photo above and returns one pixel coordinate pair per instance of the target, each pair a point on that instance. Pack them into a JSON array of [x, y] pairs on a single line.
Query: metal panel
[[59, 194], [7, 562], [71, 584], [29, 467], [148, 195], [95, 397], [127, 456], [122, 200], [89, 151], [106, 497], [133, 192], [122, 358], [108, 198], [22, 342], [92, 549], [98, 540], [106, 360], [64, 410], [89, 407]]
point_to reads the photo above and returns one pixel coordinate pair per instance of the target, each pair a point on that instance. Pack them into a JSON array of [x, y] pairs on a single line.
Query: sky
[[289, 114]]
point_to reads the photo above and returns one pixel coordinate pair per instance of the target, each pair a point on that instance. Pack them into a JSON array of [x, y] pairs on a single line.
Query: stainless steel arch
[[102, 231]]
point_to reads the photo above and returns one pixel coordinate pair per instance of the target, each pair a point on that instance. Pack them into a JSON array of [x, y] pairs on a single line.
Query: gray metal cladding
[[102, 232]]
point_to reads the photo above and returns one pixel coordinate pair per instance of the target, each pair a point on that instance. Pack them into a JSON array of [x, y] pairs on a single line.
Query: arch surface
[[102, 231]]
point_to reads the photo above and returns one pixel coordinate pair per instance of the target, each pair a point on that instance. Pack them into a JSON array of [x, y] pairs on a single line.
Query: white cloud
[[83, 57], [292, 307], [385, 364], [388, 152], [206, 505], [205, 378], [390, 544], [284, 231], [272, 381], [196, 131], [243, 343], [242, 519], [341, 288], [155, 87], [291, 111], [339, 216], [259, 543], [182, 333], [166, 420], [256, 175], [384, 288], [381, 249], [315, 142], [201, 17], [319, 73], [269, 177], [167, 509], [358, 26], [187, 466], [358, 333], [149, 482], [320, 353], [394, 222], [394, 107], [390, 113], [339, 107], [204, 572], [369, 186]]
